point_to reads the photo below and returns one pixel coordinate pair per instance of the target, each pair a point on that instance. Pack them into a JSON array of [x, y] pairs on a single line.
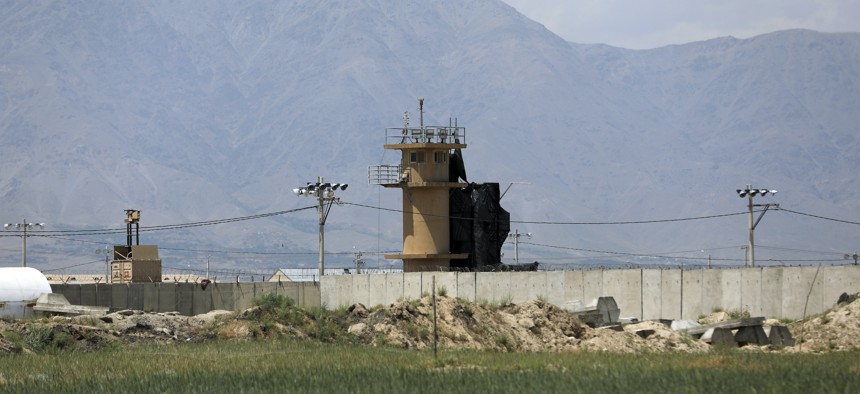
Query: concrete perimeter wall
[[186, 298], [777, 292]]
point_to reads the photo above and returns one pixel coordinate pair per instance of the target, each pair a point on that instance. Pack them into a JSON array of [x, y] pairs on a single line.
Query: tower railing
[[427, 134], [386, 174]]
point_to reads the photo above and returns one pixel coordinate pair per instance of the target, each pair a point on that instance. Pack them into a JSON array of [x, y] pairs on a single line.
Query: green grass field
[[291, 366]]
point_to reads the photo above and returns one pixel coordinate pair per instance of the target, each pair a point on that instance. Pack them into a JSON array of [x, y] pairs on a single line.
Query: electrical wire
[[817, 216], [560, 223]]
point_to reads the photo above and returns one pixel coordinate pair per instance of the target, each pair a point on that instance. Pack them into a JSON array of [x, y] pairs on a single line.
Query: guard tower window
[[440, 156], [416, 156]]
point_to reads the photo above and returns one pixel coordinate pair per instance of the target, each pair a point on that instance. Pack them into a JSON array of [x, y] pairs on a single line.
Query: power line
[[168, 226], [817, 216], [563, 223]]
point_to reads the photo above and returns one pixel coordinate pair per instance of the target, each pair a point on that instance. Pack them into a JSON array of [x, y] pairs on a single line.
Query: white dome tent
[[20, 287]]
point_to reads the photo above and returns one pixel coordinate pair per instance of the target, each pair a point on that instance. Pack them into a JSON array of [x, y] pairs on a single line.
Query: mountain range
[[200, 111]]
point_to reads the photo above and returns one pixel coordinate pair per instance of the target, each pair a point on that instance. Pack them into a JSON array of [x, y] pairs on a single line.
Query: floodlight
[[344, 186], [335, 186], [297, 191], [743, 193], [773, 192]]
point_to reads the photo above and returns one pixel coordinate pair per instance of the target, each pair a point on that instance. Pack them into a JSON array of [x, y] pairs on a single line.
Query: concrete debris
[[57, 304]]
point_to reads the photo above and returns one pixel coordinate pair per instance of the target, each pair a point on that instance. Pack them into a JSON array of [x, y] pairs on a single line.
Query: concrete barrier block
[[751, 335], [779, 336], [719, 336]]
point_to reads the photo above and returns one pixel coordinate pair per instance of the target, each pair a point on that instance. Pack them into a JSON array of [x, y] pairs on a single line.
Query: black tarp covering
[[456, 167], [479, 226]]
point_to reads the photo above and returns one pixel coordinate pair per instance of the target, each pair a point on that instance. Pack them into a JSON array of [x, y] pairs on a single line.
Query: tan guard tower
[[423, 175]]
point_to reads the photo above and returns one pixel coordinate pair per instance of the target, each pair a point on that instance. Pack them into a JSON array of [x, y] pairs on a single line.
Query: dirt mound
[[835, 329], [529, 326]]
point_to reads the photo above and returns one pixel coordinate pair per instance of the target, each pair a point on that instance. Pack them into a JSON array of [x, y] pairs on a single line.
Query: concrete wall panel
[[376, 289], [330, 292], [135, 296], [555, 288], [119, 296], [626, 287], [730, 280], [185, 298], [393, 287], [88, 294], [691, 299], [448, 280], [751, 290], [573, 287], [536, 286], [651, 294], [104, 295], [412, 289], [592, 285], [712, 290], [771, 291], [202, 301], [150, 296], [466, 285], [670, 294], [222, 296], [361, 289]]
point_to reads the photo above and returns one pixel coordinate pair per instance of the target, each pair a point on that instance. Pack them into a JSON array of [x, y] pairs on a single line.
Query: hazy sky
[[642, 24]]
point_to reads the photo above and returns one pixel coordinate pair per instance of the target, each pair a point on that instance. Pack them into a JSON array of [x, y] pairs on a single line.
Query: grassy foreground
[[293, 366]]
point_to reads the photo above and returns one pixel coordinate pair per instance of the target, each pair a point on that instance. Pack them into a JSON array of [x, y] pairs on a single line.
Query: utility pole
[[516, 237], [358, 262], [749, 193], [24, 226], [107, 252], [324, 192]]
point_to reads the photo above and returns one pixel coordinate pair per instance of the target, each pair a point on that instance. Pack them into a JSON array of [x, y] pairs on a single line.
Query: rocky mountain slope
[[196, 111]]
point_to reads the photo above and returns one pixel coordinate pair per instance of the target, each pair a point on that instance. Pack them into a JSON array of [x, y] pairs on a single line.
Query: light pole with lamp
[[324, 192], [24, 226], [749, 193]]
